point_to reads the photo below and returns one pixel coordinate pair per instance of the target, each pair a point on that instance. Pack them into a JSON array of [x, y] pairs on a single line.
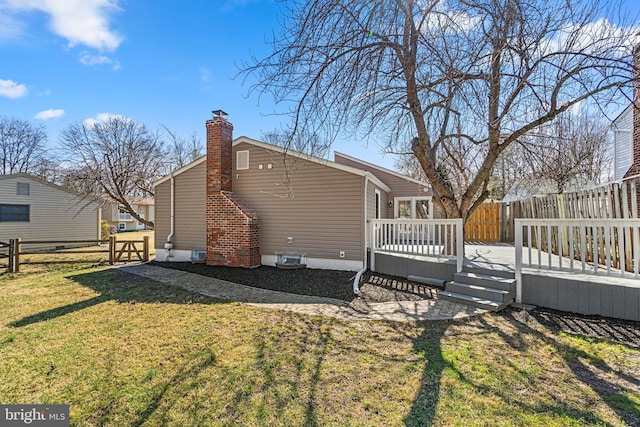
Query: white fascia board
[[314, 159]]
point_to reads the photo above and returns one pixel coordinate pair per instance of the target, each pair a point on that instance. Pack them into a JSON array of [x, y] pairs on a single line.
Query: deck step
[[473, 301], [486, 292], [486, 280], [491, 270], [427, 281]]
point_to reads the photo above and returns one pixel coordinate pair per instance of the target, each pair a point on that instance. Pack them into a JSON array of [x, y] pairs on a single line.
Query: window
[[242, 160], [23, 189], [123, 215], [14, 213], [413, 208], [377, 192], [122, 226]]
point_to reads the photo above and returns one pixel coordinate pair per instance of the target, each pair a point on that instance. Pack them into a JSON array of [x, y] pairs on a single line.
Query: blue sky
[[159, 62]]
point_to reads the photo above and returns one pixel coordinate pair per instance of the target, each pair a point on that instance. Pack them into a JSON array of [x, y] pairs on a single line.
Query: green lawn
[[123, 350]]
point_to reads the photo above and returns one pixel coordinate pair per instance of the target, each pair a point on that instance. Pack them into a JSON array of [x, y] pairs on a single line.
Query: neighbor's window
[[14, 213], [122, 226], [242, 160], [23, 189]]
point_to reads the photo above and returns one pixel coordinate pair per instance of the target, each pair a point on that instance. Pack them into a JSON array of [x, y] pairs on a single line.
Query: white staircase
[[481, 287]]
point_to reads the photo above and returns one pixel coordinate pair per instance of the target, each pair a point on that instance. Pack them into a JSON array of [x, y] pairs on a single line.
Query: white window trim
[[413, 205], [122, 226], [242, 166]]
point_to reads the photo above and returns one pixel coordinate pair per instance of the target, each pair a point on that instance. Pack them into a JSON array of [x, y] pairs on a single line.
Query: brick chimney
[[635, 133], [233, 229]]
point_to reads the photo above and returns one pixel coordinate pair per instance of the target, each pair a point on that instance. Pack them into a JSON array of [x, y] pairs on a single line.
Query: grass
[[124, 350]]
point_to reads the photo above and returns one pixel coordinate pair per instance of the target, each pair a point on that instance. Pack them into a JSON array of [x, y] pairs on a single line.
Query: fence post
[[12, 250], [112, 249], [145, 250], [16, 255], [518, 245]]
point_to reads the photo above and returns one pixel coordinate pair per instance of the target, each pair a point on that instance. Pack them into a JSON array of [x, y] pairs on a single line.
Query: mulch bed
[[374, 287]]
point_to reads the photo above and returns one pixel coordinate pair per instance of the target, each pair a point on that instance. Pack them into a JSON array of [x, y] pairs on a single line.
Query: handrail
[[442, 238], [588, 246]]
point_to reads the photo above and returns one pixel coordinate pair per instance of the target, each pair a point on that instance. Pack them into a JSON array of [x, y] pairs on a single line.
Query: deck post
[[372, 245], [518, 245], [459, 244]]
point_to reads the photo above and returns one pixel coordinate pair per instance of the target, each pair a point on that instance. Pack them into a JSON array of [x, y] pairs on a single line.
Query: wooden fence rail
[[117, 250]]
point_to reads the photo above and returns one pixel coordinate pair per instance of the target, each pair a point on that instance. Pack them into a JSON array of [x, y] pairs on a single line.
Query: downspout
[[356, 281], [169, 244]]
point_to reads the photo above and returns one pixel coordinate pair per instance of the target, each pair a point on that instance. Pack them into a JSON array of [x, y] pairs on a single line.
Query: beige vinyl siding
[[54, 213], [400, 187], [190, 210], [323, 212]]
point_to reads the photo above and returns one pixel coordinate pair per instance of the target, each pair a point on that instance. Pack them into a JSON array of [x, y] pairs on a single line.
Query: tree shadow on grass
[[611, 384], [463, 372], [119, 286]]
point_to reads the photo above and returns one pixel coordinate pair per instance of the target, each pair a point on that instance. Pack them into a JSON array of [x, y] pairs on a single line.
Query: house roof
[[41, 181], [134, 200], [614, 122], [381, 169], [324, 162]]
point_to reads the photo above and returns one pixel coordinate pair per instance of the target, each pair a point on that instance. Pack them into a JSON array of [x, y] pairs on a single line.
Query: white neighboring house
[[122, 220], [622, 128], [34, 209]]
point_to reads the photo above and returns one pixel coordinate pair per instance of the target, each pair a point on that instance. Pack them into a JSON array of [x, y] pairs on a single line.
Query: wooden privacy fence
[[494, 222], [117, 250], [484, 225]]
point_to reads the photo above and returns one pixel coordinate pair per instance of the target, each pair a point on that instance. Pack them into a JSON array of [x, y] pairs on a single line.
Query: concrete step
[[473, 301], [486, 280], [427, 281], [491, 270], [485, 292]]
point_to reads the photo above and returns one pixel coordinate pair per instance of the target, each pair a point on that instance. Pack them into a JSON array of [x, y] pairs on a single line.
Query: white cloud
[[81, 22], [11, 89], [10, 28], [101, 118], [49, 114], [90, 60]]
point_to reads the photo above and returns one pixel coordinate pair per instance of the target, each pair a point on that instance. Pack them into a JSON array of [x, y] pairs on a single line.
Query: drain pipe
[[169, 244], [356, 281]]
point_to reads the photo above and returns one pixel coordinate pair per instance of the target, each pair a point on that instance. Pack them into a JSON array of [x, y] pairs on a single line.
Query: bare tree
[[119, 158], [453, 83], [181, 151], [22, 146], [571, 150]]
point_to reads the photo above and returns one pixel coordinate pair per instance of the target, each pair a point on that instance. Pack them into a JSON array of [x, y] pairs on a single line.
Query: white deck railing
[[442, 238], [590, 246]]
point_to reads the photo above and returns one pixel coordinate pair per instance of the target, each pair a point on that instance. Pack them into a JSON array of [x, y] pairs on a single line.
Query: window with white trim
[[412, 207], [242, 160], [378, 201], [122, 226]]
